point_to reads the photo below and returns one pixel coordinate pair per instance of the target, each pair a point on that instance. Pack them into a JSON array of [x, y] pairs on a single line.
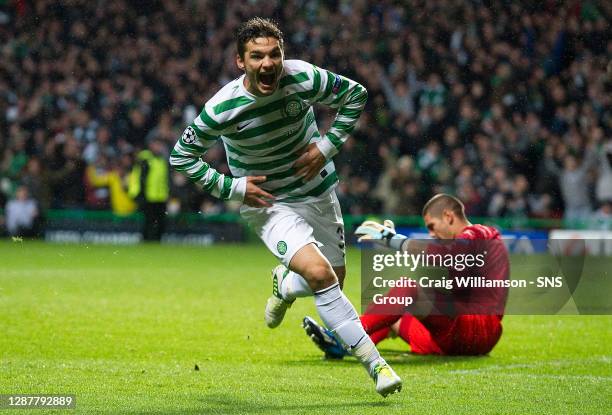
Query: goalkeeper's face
[[263, 65], [440, 227]]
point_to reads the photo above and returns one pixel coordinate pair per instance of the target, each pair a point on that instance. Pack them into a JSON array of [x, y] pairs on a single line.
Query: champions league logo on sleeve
[[189, 135], [337, 84]]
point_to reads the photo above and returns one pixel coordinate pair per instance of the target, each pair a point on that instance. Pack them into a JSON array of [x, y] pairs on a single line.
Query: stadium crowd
[[505, 104]]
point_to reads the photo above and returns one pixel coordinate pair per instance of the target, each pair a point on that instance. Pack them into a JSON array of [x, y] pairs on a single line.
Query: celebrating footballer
[[283, 172]]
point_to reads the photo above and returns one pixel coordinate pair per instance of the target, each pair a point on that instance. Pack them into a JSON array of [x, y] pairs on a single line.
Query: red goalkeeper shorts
[[463, 335]]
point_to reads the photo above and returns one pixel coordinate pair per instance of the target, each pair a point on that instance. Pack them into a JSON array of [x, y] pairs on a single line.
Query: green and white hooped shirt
[[264, 136]]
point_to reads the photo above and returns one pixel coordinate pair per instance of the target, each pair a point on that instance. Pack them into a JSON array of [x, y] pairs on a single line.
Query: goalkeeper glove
[[371, 231]]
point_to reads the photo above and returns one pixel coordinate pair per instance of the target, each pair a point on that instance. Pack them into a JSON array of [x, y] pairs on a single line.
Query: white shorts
[[287, 227]]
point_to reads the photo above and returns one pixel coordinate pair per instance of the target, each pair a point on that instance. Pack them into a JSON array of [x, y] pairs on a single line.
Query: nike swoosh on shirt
[[240, 127]]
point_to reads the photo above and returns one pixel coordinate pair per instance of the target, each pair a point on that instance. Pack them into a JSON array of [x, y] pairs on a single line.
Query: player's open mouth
[[267, 79]]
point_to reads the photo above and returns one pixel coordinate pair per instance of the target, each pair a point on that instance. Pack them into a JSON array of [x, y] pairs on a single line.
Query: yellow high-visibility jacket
[[156, 188]]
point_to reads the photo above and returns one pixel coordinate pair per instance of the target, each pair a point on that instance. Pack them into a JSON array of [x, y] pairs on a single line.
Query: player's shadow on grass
[[396, 358], [229, 404], [233, 405]]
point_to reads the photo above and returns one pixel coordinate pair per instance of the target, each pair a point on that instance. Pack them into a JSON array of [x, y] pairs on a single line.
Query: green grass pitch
[[123, 328]]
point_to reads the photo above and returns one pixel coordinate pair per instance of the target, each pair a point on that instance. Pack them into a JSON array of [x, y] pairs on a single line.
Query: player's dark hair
[[254, 28], [441, 202]]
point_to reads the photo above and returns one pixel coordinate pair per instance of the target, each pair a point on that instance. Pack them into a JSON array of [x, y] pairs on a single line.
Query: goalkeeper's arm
[[385, 234]]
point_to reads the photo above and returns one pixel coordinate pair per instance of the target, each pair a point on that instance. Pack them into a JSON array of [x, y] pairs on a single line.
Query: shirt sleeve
[[186, 157], [348, 96]]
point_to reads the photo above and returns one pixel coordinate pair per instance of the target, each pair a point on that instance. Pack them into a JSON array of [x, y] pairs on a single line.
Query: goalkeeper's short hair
[[441, 202]]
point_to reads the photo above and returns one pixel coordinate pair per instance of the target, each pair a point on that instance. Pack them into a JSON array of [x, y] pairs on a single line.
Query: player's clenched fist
[[255, 196], [310, 163]]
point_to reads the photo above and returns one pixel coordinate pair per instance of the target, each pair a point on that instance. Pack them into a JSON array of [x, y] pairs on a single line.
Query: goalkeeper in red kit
[[466, 321]]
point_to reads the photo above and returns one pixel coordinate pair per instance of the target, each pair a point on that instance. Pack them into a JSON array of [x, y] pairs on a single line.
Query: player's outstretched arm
[[186, 158], [385, 234], [349, 97]]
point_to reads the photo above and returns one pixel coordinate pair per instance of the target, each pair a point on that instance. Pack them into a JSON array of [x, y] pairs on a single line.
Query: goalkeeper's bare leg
[[339, 315]]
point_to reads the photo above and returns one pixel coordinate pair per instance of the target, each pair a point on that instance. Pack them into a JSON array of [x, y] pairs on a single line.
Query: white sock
[[339, 315], [294, 286]]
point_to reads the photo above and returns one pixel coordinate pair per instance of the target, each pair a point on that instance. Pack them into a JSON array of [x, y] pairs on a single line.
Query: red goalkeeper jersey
[[476, 289]]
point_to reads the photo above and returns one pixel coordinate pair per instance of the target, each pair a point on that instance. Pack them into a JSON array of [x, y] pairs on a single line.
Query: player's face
[[262, 64], [438, 227]]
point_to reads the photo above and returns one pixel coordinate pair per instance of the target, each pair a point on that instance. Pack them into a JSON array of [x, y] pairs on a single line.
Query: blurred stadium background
[[504, 103]]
